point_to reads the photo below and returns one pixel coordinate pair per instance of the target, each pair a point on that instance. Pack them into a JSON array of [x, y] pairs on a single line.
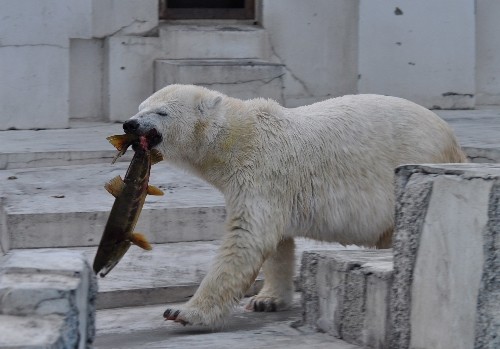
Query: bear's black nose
[[130, 126]]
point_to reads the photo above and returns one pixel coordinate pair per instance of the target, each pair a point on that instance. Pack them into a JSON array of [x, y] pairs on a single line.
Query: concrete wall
[[317, 42], [420, 50], [34, 56], [54, 65], [47, 77], [487, 52]]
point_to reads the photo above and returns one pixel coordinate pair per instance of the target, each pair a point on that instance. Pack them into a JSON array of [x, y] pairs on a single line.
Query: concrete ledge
[[49, 298], [346, 294], [446, 290]]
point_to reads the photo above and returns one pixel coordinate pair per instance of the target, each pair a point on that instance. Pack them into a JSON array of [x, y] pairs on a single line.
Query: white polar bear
[[323, 171]]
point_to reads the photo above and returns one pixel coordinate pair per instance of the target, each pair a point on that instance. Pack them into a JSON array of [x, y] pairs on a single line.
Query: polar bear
[[323, 171]]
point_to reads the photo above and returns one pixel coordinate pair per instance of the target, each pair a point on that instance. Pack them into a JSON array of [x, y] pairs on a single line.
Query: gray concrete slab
[[143, 327], [68, 206], [169, 273]]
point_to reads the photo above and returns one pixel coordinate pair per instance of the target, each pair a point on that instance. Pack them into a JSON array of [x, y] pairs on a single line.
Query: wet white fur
[[323, 171]]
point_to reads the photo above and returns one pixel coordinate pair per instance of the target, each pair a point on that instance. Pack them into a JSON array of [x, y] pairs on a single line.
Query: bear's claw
[[170, 314]]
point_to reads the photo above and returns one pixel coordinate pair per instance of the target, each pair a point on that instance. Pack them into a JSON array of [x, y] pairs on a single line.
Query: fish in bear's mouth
[[153, 138]]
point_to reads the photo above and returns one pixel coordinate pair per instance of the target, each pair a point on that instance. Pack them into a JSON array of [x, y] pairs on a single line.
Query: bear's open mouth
[[148, 140], [154, 137]]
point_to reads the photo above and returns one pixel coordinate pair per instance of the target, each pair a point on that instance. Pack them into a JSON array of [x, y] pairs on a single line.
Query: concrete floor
[[144, 327]]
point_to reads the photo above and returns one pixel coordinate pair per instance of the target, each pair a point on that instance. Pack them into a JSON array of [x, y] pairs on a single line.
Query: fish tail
[[141, 241]]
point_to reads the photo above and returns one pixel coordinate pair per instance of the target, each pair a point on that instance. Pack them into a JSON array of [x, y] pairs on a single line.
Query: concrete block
[[50, 286], [346, 294], [123, 17], [325, 63], [430, 62], [238, 78], [129, 76], [35, 89], [86, 63], [446, 290], [214, 42]]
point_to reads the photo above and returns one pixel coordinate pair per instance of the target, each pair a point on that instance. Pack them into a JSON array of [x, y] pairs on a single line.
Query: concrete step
[[143, 327], [214, 41], [84, 143], [68, 206], [239, 78], [169, 273]]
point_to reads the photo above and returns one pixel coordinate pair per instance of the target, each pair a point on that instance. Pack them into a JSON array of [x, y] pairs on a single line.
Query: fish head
[[111, 258]]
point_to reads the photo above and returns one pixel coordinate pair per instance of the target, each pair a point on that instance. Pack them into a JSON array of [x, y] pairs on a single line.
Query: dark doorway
[[207, 9]]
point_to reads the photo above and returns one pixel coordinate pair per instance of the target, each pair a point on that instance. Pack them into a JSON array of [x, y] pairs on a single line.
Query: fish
[[130, 195]]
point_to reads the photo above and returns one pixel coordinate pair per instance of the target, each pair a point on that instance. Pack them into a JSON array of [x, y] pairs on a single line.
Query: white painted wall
[[317, 42], [49, 72], [86, 58], [488, 51], [424, 52], [34, 60]]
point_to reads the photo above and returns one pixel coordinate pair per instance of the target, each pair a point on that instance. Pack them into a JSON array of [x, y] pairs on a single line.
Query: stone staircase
[[235, 59], [239, 68], [51, 197]]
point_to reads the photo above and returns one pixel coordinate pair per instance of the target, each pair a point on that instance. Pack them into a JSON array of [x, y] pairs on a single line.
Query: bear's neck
[[228, 150]]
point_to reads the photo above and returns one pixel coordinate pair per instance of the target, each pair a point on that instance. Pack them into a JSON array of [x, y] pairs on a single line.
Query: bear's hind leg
[[277, 292]]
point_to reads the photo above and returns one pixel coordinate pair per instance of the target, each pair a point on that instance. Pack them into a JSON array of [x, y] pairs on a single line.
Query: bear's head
[[183, 119]]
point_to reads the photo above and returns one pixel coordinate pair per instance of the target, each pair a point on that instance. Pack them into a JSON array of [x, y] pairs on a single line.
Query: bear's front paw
[[260, 303]]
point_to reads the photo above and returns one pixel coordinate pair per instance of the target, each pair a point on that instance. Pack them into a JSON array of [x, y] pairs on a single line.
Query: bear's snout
[[130, 126]]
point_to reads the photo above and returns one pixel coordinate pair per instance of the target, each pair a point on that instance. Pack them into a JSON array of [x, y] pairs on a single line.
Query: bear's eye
[[162, 113]]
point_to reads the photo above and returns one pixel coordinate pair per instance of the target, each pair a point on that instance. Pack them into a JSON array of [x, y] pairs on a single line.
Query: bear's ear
[[208, 104]]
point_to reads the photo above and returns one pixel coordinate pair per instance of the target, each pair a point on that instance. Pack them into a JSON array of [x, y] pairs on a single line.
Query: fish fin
[[156, 156], [115, 186], [121, 142], [119, 154], [152, 190], [140, 240]]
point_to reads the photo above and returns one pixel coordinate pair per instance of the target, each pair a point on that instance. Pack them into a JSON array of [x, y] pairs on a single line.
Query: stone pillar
[[446, 289]]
